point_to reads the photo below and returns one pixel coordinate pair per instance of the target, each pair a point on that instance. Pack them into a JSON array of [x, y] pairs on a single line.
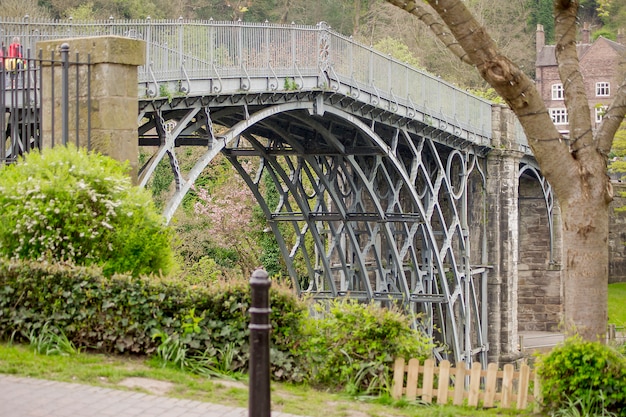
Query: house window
[[557, 91], [603, 89], [559, 116], [600, 112]]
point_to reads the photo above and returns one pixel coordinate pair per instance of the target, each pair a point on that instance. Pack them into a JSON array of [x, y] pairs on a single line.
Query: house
[[602, 67]]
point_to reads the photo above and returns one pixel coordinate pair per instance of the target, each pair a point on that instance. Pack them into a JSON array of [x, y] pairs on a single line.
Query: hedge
[[122, 313]]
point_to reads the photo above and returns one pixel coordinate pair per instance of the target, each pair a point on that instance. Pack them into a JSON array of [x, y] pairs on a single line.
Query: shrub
[[123, 314], [353, 345], [67, 205], [577, 368]]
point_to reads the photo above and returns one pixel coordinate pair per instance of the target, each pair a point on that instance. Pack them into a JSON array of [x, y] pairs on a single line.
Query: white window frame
[[557, 91], [603, 89], [600, 112], [559, 116]]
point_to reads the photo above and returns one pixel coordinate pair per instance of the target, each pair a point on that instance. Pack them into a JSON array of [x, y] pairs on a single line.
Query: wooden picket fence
[[506, 388]]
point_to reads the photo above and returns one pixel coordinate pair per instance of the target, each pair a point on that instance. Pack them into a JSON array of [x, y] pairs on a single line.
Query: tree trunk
[[586, 260], [576, 166]]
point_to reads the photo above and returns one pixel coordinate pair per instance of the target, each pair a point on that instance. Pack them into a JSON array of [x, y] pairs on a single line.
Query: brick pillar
[[503, 237], [113, 80]]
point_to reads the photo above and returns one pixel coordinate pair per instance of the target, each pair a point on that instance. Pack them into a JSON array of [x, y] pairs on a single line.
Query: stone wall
[[617, 235], [540, 294], [503, 238]]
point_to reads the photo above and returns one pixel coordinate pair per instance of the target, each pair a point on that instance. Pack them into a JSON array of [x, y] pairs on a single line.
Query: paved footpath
[[28, 397]]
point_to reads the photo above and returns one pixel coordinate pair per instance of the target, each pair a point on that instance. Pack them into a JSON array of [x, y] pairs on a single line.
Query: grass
[[617, 306], [111, 371]]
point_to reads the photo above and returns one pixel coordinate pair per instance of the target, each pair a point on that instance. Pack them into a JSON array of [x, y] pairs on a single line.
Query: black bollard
[[259, 374]]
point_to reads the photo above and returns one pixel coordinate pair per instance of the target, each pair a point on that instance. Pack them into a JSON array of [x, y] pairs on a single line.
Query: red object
[[15, 50]]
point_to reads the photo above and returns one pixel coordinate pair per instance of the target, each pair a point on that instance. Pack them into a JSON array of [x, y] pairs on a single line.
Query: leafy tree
[[575, 168], [541, 14], [67, 205], [397, 49], [21, 8], [270, 256], [618, 152], [229, 216]]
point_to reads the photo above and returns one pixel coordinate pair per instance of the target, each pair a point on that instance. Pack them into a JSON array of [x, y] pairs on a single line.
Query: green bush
[[577, 368], [123, 314], [67, 205], [353, 345]]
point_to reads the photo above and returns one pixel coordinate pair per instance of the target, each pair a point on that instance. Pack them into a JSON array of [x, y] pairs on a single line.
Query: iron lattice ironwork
[[374, 211]]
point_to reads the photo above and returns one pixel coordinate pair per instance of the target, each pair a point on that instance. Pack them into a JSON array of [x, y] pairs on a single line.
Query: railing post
[[148, 41], [294, 48], [181, 29], [259, 374], [65, 52]]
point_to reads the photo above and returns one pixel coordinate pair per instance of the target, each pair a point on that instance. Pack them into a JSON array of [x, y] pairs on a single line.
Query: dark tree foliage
[[541, 13]]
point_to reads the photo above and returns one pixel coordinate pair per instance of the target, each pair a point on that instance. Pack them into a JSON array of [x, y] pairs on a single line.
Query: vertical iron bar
[[52, 98], [13, 115], [259, 396], [3, 119], [65, 49], [36, 90], [89, 102], [149, 42], [77, 109], [181, 29], [23, 113], [30, 110]]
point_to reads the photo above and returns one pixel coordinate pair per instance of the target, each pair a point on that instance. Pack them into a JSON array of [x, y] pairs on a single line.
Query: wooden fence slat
[[507, 386], [459, 383], [490, 385], [536, 394], [427, 382], [411, 379], [474, 388], [398, 379], [522, 387], [444, 382]]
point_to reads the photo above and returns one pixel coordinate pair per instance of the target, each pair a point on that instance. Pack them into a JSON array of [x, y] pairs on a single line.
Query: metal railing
[[183, 51], [21, 84]]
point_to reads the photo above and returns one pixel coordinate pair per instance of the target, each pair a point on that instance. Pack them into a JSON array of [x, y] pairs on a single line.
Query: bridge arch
[[386, 209], [540, 288]]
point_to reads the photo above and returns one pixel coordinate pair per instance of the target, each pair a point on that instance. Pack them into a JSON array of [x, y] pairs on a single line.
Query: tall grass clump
[[68, 205], [352, 346]]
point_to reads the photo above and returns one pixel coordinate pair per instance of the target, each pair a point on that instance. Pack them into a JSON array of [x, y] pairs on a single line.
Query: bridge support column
[[110, 79], [503, 237]]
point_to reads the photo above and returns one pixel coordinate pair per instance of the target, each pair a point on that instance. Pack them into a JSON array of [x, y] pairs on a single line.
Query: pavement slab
[[30, 397]]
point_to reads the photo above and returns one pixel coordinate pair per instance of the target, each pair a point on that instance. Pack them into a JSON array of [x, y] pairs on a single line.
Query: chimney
[[540, 38], [586, 33]]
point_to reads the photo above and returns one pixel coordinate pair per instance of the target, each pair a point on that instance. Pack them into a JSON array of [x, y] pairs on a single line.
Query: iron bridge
[[380, 167]]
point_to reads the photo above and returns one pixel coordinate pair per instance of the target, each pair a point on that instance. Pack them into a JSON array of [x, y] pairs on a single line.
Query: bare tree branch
[[576, 101], [438, 28], [519, 91]]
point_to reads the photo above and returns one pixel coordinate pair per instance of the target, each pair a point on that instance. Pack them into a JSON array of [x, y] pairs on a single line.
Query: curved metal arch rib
[[222, 141], [548, 197]]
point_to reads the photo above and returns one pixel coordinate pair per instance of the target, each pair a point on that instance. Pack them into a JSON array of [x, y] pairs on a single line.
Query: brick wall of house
[[599, 62]]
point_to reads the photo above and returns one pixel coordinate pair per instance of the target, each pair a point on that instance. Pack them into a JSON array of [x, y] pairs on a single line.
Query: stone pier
[[112, 78]]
